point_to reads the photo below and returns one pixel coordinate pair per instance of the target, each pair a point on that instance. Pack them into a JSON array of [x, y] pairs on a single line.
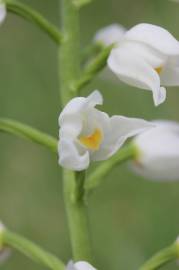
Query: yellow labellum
[[92, 141], [159, 69]]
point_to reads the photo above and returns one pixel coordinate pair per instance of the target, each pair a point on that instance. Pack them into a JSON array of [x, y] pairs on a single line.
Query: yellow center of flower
[[159, 69], [93, 140]]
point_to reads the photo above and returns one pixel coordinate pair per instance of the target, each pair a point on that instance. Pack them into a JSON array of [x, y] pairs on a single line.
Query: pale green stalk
[[92, 69], [34, 16], [73, 183], [31, 250], [25, 131], [163, 257], [91, 51], [81, 3]]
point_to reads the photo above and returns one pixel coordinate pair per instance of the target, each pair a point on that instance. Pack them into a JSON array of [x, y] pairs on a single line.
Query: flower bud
[[110, 34], [80, 265]]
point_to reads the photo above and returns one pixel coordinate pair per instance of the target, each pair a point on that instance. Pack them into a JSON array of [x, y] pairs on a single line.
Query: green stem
[[25, 131], [29, 14], [77, 219], [81, 3], [91, 51], [69, 72], [31, 250], [106, 167], [164, 256], [93, 68]]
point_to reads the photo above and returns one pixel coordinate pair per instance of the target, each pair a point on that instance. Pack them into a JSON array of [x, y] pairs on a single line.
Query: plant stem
[[93, 68], [31, 250], [25, 131], [164, 256], [81, 3], [77, 219], [32, 15], [95, 178], [69, 72]]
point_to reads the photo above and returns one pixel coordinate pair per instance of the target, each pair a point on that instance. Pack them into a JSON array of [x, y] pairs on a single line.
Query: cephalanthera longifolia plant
[[147, 57]]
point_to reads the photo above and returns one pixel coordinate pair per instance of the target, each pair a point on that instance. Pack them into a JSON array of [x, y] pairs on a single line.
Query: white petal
[[95, 98], [121, 128], [110, 34], [70, 157], [159, 96], [158, 152], [70, 266], [135, 71], [151, 56], [170, 76], [79, 104], [3, 12], [154, 36], [81, 265], [71, 126]]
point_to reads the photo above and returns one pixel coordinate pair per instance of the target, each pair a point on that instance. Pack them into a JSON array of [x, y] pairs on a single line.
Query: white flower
[[110, 34], [147, 57], [158, 152], [81, 265], [89, 134], [3, 12]]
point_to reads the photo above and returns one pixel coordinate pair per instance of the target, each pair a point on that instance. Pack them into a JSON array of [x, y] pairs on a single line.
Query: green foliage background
[[131, 218]]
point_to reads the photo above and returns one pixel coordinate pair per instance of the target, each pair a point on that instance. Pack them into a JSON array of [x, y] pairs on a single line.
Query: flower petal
[[71, 126], [151, 56], [135, 71], [78, 104], [81, 265], [154, 36], [157, 168], [3, 12], [70, 157], [70, 266], [110, 34], [158, 147], [121, 128], [170, 76], [72, 117]]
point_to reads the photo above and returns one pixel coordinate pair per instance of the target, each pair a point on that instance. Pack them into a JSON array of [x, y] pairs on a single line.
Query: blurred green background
[[131, 218]]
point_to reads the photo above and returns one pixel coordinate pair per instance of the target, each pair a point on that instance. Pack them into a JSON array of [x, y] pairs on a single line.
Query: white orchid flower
[[110, 34], [81, 265], [89, 134], [3, 11], [147, 57], [158, 152]]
